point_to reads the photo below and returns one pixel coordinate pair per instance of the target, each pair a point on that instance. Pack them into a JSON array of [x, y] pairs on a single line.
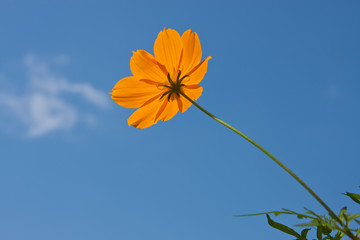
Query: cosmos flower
[[159, 84]]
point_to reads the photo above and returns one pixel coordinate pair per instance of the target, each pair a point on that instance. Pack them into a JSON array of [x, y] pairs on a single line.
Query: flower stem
[[331, 213]]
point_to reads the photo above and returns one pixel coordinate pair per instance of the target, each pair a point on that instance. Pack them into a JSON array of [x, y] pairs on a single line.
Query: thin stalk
[[331, 213]]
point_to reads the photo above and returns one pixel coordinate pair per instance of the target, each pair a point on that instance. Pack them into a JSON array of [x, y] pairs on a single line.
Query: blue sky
[[286, 73]]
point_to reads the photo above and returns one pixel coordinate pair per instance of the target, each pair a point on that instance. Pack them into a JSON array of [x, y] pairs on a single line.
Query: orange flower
[[159, 82]]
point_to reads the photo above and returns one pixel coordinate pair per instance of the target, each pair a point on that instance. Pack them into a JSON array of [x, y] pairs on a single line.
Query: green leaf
[[305, 232], [353, 216], [264, 213], [355, 197], [338, 236], [326, 230], [343, 211], [306, 225], [313, 213], [319, 233], [299, 215], [276, 213], [342, 215], [282, 227]]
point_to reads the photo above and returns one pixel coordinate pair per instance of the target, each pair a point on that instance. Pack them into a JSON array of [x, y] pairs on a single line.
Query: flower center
[[175, 87]]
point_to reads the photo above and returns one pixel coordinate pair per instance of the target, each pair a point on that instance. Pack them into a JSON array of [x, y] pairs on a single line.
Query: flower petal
[[197, 73], [167, 50], [145, 116], [192, 51], [193, 92], [131, 92], [144, 66], [170, 109]]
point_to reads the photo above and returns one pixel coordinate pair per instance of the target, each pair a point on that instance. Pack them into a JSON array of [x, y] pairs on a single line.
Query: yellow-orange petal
[[167, 50], [193, 92], [131, 92], [170, 109], [144, 66], [192, 51], [197, 73], [145, 116]]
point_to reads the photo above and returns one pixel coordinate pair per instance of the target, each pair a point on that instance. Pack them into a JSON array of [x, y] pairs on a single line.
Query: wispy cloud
[[44, 106]]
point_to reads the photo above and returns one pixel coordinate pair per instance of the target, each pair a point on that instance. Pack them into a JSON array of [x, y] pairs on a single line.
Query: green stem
[[332, 214]]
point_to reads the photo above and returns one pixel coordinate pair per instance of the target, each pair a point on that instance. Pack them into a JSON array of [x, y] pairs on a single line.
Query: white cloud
[[49, 113], [42, 79], [43, 107]]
